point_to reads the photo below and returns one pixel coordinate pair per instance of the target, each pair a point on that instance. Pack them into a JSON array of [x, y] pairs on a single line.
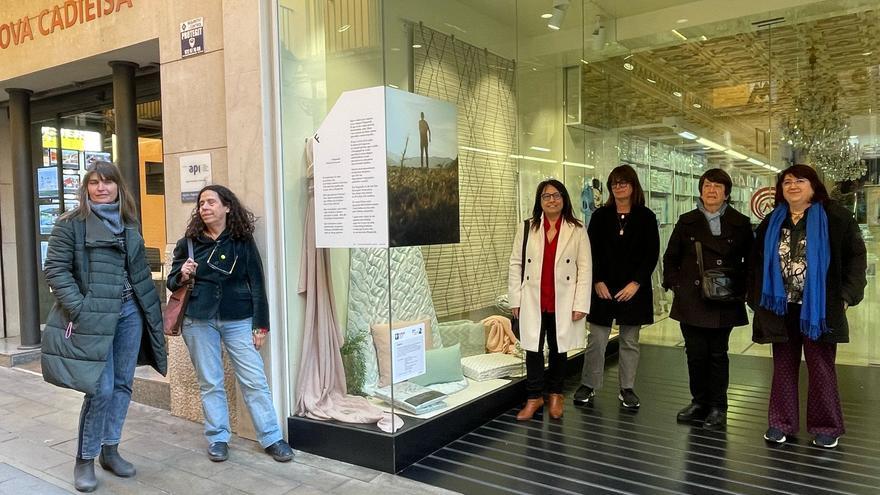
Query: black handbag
[[514, 321], [717, 284]]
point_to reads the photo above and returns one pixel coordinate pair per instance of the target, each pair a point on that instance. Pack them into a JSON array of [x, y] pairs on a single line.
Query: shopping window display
[[410, 225]]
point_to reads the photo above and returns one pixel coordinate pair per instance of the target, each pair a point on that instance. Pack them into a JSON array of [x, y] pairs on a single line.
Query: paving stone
[[306, 490], [255, 482], [176, 481], [338, 467], [33, 454], [25, 483], [7, 472], [49, 435], [150, 447], [301, 473]]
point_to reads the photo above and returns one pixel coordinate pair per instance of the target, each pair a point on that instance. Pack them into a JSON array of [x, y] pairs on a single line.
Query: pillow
[[381, 333], [442, 365], [469, 334]]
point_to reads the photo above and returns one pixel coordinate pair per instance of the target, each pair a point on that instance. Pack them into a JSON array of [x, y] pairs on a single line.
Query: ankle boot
[[556, 405], [531, 407], [84, 475], [111, 461]]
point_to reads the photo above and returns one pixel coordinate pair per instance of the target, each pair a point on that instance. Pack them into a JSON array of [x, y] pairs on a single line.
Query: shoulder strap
[[189, 249], [522, 258], [699, 247]]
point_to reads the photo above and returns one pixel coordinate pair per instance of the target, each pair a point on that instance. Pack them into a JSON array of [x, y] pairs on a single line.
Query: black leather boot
[[111, 461], [84, 475]]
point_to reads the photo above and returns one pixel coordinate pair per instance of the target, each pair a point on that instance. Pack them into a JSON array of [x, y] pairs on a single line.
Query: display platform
[[368, 446]]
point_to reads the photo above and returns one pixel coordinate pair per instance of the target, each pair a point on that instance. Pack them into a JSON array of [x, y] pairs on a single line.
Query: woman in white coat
[[549, 291]]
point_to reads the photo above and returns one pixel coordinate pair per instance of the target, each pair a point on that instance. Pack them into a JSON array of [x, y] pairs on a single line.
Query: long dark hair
[[820, 193], [109, 171], [239, 220], [567, 212], [625, 173]]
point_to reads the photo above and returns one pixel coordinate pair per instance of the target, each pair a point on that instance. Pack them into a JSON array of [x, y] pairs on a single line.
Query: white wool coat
[[573, 271]]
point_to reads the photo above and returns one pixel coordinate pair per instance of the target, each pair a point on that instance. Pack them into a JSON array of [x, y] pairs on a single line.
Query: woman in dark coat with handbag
[[625, 244], [725, 239], [227, 309], [106, 318], [808, 267]]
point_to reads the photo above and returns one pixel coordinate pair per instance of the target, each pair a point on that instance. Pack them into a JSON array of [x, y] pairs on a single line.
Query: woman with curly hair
[[228, 304]]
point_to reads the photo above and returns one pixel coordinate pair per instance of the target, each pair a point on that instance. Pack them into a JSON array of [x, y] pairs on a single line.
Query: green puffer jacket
[[84, 267]]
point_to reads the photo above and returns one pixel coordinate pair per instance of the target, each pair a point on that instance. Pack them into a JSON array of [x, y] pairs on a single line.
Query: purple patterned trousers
[[823, 398]]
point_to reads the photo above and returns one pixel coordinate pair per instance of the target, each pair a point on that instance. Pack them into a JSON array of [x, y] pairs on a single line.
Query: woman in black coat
[[227, 309], [725, 237], [805, 236], [625, 244]]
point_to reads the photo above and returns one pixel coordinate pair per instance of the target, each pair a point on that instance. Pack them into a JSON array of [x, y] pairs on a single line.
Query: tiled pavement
[[38, 441]]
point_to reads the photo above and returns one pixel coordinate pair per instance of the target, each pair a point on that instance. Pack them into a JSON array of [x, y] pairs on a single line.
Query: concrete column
[[25, 219], [125, 111]]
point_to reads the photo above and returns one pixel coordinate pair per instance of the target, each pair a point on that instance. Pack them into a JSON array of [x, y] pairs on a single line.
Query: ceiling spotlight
[[677, 94], [628, 66], [697, 105], [546, 16], [558, 15], [651, 81], [681, 21], [417, 45]]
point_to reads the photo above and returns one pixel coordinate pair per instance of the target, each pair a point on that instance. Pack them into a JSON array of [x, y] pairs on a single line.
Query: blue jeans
[[103, 414], [203, 338]]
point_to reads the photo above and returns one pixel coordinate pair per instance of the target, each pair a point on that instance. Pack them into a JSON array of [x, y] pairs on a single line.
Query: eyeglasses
[[549, 196], [795, 182], [212, 264], [619, 184]]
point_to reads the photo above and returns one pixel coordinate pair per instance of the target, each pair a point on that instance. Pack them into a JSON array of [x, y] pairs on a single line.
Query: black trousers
[[537, 380], [708, 364]]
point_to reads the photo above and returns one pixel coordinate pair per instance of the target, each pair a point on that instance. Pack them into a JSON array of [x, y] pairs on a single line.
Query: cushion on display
[[442, 365], [488, 366], [470, 335], [382, 341], [369, 296]]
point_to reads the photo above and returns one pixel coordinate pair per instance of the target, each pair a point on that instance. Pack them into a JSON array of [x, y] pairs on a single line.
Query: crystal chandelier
[[820, 129]]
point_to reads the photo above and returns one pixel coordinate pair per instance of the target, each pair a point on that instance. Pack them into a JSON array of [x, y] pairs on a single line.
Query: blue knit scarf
[[773, 295]]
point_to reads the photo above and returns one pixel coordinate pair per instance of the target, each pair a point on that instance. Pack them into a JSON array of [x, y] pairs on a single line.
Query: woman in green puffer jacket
[[106, 318]]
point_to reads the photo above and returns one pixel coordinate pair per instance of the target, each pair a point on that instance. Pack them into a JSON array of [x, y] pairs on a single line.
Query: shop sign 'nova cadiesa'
[[61, 16]]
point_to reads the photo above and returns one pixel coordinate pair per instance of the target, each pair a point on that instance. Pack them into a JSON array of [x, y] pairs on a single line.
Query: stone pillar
[[125, 110], [25, 219]]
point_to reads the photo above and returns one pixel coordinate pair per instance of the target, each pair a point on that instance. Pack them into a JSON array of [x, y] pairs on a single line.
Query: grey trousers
[[594, 356]]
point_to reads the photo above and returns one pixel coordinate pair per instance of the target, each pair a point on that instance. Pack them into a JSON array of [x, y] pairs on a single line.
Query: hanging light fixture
[[820, 129], [558, 14]]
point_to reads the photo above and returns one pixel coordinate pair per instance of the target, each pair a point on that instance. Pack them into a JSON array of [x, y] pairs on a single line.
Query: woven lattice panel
[[470, 275]]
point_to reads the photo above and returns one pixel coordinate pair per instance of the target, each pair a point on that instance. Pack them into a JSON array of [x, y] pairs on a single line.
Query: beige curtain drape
[[320, 387]]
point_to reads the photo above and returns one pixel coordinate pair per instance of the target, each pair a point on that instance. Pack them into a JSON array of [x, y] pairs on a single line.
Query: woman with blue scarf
[[807, 267]]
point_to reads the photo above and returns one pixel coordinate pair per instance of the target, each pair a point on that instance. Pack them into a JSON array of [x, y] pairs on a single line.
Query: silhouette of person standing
[[424, 139]]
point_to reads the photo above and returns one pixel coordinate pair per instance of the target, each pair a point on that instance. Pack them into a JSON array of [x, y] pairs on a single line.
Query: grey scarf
[[713, 218], [110, 215]]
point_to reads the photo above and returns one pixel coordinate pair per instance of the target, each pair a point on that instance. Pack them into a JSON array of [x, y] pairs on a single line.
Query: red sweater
[[548, 277]]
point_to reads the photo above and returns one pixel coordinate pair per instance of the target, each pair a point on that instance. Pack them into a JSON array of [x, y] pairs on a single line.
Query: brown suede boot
[[556, 404], [532, 406]]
